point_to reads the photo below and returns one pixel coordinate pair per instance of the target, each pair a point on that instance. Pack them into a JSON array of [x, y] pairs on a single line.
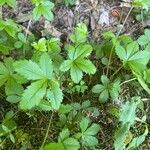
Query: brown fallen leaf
[[51, 29]]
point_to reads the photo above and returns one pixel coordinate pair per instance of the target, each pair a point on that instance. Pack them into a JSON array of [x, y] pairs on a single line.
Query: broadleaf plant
[[45, 85], [88, 133], [43, 8], [107, 89], [64, 142], [77, 61], [128, 118]]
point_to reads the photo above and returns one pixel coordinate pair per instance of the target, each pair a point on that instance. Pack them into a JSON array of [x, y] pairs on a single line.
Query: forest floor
[[99, 16]]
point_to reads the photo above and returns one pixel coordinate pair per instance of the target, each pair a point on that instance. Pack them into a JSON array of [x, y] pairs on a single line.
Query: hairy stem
[[47, 131]]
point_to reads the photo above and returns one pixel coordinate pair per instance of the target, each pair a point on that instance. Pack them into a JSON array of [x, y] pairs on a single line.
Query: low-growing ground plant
[[75, 88]]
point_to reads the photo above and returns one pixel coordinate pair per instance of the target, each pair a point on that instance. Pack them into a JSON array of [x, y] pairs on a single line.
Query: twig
[[46, 135], [127, 81], [28, 27], [125, 21]]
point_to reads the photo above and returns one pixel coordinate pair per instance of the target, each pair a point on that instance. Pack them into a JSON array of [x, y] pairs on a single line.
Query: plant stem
[[47, 131], [127, 81], [110, 56], [109, 61], [117, 71]]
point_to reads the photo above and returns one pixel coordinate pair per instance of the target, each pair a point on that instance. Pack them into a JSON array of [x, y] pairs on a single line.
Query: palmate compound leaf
[[45, 85], [44, 8], [80, 35], [88, 133], [33, 94], [107, 89], [64, 142], [132, 57], [77, 62], [7, 74], [68, 142]]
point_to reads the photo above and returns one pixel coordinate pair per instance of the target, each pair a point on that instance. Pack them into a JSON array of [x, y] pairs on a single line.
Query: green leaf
[[29, 70], [137, 141], [71, 144], [80, 35], [90, 140], [46, 65], [41, 45], [43, 8], [66, 65], [33, 94], [144, 39], [69, 2], [105, 80], [36, 13], [88, 133], [54, 45], [11, 3], [10, 27], [84, 124], [63, 135], [68, 142], [83, 50], [64, 109], [104, 95], [120, 51], [98, 88], [143, 84], [44, 105], [76, 73], [120, 136], [114, 92], [55, 95], [128, 112], [86, 66], [132, 57], [77, 62], [54, 146], [13, 91], [71, 51], [7, 74], [93, 129]]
